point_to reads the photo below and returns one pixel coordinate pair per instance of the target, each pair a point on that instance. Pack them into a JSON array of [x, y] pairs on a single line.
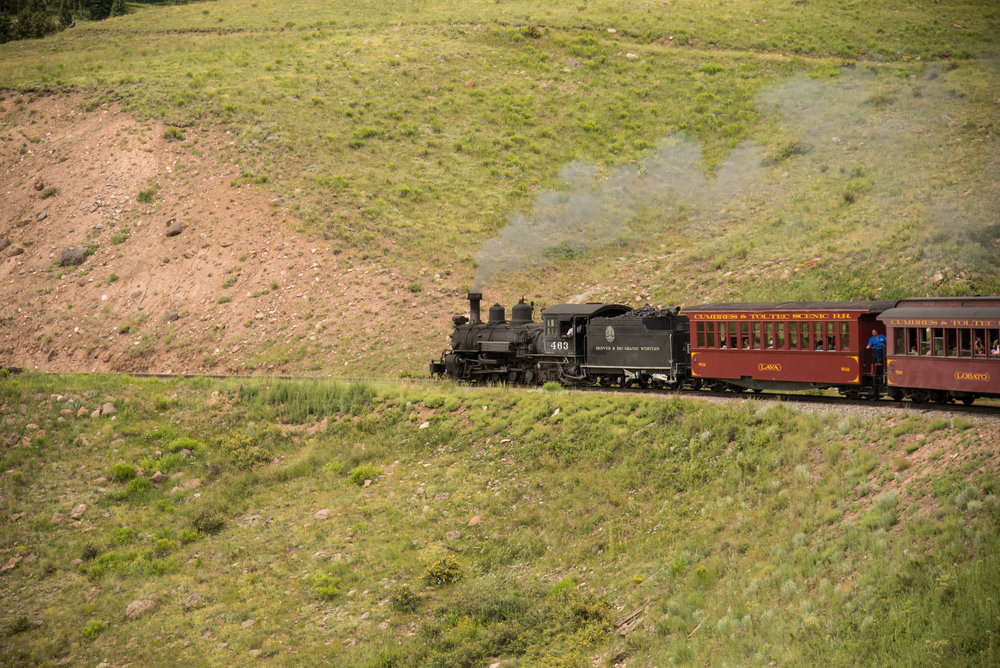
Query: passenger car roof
[[867, 307], [943, 313]]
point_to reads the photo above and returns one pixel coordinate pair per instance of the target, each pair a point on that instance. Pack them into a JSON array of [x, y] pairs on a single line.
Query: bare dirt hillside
[[237, 290]]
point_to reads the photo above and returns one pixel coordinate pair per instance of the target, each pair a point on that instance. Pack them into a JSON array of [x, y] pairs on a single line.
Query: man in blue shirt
[[877, 345]]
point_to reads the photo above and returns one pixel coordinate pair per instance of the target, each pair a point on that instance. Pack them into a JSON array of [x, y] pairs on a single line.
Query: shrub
[[208, 521], [119, 238], [93, 628], [443, 571], [136, 487], [364, 472], [225, 299], [173, 134], [168, 463], [246, 449], [434, 401], [121, 472], [552, 386], [90, 552], [48, 192], [403, 600], [184, 443], [146, 196], [326, 587]]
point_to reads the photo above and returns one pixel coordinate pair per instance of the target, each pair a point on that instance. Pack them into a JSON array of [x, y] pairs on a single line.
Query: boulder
[[108, 408], [72, 256], [137, 609], [174, 227], [4, 243], [78, 511], [194, 601]]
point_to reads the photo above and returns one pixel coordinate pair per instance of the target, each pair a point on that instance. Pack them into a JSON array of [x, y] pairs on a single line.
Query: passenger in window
[[979, 348], [995, 350], [819, 344], [746, 344], [831, 344]]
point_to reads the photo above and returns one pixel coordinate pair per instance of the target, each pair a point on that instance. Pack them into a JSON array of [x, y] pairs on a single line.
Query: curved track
[[985, 411]]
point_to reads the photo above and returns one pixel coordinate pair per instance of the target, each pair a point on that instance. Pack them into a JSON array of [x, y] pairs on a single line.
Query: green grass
[[470, 113], [501, 530]]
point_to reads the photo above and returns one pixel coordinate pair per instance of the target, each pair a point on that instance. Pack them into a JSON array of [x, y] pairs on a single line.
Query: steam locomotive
[[938, 349]]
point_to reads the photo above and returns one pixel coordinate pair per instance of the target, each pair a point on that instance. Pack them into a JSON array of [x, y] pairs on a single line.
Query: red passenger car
[[785, 346], [943, 348]]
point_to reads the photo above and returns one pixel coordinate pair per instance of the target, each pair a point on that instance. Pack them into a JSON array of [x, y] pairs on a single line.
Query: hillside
[[201, 522], [344, 172]]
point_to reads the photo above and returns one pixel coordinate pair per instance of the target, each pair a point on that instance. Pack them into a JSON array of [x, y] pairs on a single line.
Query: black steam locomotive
[[926, 349], [605, 344]]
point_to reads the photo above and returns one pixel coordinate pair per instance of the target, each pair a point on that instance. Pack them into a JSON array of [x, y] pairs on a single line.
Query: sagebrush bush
[[208, 521], [247, 449], [326, 587], [121, 472], [364, 472], [443, 571], [403, 600], [93, 628]]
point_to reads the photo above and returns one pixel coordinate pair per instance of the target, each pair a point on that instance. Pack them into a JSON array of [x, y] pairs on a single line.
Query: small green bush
[[146, 196], [121, 472], [49, 192], [246, 449], [168, 463], [173, 134], [434, 401], [93, 628], [136, 487], [403, 600], [119, 238], [225, 299], [208, 521], [443, 571], [364, 472], [90, 552], [552, 386], [326, 587]]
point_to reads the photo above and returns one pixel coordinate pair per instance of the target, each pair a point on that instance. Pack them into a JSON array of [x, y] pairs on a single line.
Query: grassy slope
[[746, 534], [411, 132]]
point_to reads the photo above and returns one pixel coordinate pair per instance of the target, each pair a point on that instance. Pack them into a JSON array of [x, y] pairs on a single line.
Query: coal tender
[[646, 347]]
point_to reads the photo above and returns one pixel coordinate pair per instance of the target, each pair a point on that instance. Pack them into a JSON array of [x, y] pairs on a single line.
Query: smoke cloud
[[593, 212], [890, 139]]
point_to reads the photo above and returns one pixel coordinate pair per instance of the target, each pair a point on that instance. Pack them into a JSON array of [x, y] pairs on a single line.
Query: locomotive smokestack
[[474, 299]]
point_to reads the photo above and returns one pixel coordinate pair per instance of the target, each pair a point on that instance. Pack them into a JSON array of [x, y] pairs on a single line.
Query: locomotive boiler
[[495, 350]]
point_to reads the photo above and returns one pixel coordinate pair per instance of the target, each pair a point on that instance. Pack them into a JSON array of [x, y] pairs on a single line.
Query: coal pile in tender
[[648, 311]]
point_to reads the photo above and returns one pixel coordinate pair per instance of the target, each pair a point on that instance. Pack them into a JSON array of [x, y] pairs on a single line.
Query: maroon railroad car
[[943, 348], [785, 346]]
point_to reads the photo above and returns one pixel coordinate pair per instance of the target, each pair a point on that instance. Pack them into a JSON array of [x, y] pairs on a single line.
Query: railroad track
[[813, 400]]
